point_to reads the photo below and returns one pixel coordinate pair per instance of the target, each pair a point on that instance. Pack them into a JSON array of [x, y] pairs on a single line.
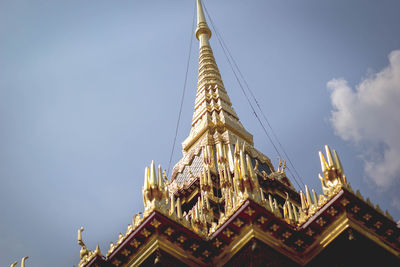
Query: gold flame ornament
[[332, 177]]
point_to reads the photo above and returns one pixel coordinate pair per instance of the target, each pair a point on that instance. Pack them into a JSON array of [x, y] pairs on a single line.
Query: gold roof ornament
[[85, 254], [84, 251], [333, 177], [155, 196], [22, 262], [297, 213]]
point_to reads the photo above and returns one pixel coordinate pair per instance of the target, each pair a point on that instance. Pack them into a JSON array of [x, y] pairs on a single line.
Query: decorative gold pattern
[[249, 211], [116, 262], [228, 233], [169, 231], [206, 253], [367, 216], [355, 209], [238, 222], [146, 233], [135, 243], [194, 246], [181, 239], [378, 224], [332, 211], [217, 243], [299, 242], [126, 252], [389, 232], [321, 222], [155, 223], [286, 234], [262, 220], [274, 227], [310, 232], [344, 202]]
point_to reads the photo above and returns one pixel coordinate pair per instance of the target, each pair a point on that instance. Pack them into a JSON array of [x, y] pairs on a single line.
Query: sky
[[90, 94]]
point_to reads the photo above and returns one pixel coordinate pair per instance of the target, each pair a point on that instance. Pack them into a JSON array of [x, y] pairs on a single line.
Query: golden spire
[[213, 108]]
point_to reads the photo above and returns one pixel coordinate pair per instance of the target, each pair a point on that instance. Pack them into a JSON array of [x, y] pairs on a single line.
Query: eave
[[252, 221]]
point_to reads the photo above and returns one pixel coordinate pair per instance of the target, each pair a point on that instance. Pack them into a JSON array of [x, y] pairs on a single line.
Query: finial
[[97, 251], [338, 164], [315, 197], [23, 261], [280, 164], [172, 208], [15, 263], [329, 156], [296, 218], [324, 165], [333, 177], [84, 251], [160, 179], [271, 205], [202, 27], [285, 211], [276, 207], [304, 205], [262, 196], [80, 241], [290, 212], [146, 184], [153, 176], [250, 169], [289, 208], [179, 208], [243, 168], [308, 196]]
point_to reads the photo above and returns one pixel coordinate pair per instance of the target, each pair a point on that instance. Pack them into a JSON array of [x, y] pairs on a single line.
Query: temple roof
[[224, 195], [304, 231]]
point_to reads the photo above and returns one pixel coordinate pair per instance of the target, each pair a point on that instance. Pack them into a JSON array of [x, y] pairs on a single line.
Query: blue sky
[[90, 93]]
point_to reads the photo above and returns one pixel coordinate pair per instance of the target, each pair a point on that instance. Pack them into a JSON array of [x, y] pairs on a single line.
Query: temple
[[226, 205]]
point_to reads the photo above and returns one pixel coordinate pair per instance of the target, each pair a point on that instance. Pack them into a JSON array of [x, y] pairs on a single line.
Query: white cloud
[[369, 116]]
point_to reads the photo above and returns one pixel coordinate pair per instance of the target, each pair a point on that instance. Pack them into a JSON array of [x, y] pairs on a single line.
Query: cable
[[228, 56], [260, 109], [183, 91]]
